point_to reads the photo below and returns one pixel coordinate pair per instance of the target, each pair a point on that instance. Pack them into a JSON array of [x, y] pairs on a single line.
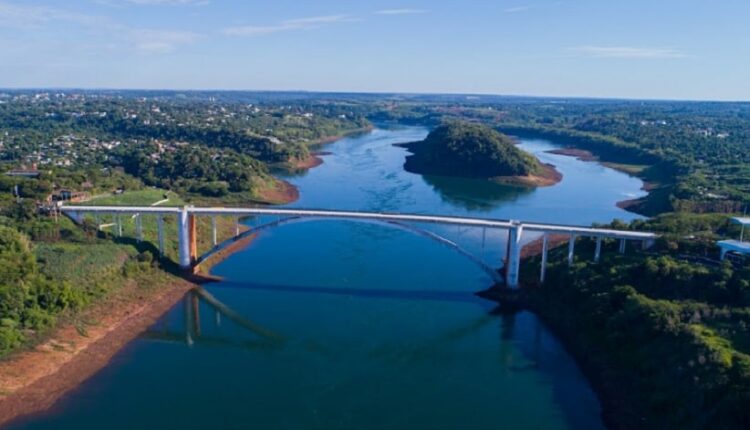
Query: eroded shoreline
[[35, 379]]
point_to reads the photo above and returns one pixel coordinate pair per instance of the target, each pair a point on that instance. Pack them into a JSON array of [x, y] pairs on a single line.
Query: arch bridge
[[187, 230]]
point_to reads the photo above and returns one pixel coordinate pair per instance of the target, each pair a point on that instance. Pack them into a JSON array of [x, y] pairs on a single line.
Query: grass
[[82, 264], [144, 197]]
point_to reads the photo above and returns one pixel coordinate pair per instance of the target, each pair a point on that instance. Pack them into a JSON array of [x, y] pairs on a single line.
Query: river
[[341, 325]]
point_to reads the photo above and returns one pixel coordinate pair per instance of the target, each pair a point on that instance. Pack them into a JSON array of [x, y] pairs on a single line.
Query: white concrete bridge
[[187, 231]]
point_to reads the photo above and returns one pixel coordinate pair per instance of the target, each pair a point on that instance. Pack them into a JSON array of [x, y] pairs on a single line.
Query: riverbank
[[616, 412], [33, 380], [280, 192], [548, 177], [333, 138], [630, 205]]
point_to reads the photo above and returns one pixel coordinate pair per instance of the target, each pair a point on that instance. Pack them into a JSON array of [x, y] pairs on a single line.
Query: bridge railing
[[516, 229]]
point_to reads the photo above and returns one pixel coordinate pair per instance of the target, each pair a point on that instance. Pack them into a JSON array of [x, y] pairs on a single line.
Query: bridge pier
[[192, 222], [160, 230], [214, 237], [138, 228], [119, 226], [571, 249], [622, 246], [513, 260], [598, 252], [183, 232]]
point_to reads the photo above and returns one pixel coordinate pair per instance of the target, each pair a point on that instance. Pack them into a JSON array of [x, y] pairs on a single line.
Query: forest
[[469, 150]]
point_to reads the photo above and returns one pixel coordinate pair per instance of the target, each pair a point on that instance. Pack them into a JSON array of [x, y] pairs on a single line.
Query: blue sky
[[671, 49]]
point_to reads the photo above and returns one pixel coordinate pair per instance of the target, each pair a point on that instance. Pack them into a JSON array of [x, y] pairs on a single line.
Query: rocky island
[[477, 151]]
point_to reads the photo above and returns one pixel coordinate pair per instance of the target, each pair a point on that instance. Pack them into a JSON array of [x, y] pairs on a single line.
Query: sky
[[640, 49]]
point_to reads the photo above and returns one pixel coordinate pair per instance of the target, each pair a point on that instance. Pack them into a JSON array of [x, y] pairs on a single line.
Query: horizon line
[[402, 93]]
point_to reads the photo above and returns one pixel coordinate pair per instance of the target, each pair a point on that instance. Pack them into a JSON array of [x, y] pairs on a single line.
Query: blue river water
[[341, 325]]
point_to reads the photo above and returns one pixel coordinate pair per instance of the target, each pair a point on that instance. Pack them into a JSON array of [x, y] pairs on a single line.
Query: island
[[477, 151]]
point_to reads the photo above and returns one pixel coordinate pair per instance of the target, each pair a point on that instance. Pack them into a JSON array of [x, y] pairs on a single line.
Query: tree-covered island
[[477, 151]]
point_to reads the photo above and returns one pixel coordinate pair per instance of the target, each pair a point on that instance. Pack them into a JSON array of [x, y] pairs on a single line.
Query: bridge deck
[[354, 215]]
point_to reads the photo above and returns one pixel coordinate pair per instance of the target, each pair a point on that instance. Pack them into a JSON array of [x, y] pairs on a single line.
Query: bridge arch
[[489, 270]]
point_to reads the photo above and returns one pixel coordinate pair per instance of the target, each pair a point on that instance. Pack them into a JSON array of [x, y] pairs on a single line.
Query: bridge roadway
[[187, 232]]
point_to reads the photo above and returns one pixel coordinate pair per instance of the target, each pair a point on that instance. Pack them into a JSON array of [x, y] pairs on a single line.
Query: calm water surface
[[340, 325]]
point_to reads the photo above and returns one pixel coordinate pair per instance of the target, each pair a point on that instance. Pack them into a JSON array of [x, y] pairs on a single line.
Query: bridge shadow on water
[[382, 293]]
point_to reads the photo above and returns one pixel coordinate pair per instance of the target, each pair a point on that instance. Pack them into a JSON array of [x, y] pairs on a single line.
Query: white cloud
[[13, 15], [400, 12], [627, 52], [288, 25], [517, 9], [121, 3], [30, 19], [148, 41]]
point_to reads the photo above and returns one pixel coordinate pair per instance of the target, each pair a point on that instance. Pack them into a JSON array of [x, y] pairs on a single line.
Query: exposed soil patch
[[32, 381], [548, 177], [280, 193]]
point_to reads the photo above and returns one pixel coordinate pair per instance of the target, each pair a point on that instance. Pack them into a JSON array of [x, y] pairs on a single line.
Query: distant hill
[[476, 151]]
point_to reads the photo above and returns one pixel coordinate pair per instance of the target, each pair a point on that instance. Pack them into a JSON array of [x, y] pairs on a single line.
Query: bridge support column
[[193, 238], [622, 246], [545, 246], [513, 260], [237, 227], [598, 252], [138, 228], [119, 226], [571, 249], [183, 230], [214, 237], [160, 230], [97, 221]]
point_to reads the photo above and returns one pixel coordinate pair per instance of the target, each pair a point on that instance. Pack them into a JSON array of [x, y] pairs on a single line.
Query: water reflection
[[475, 194], [192, 330]]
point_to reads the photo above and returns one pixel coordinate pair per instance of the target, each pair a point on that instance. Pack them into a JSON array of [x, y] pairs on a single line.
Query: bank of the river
[[282, 192], [632, 205], [333, 138], [621, 157], [617, 410], [547, 177], [33, 380]]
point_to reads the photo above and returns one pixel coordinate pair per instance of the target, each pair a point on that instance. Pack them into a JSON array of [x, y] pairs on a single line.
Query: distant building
[[69, 196], [23, 172]]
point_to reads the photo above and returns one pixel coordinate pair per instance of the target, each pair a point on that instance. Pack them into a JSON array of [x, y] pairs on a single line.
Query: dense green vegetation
[[469, 150], [665, 335], [29, 300]]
